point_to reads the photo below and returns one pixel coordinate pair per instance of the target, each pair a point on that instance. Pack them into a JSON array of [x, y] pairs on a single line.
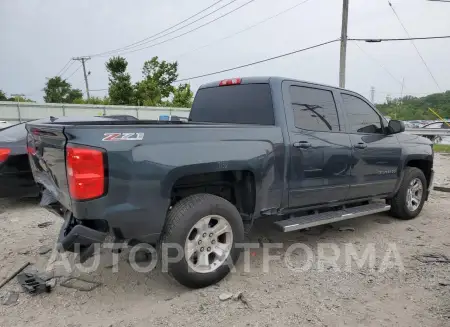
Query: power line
[[190, 31], [401, 39], [415, 47], [244, 30], [259, 61], [152, 37], [73, 72], [379, 63], [60, 72], [64, 70], [250, 64]]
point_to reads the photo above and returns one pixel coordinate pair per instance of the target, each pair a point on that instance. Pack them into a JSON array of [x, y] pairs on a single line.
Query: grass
[[442, 148]]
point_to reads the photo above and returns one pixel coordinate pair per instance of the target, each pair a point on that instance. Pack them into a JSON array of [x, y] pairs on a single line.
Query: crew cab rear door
[[320, 152]]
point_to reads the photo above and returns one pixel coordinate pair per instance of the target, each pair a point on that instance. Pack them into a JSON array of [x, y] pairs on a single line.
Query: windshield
[[238, 104]]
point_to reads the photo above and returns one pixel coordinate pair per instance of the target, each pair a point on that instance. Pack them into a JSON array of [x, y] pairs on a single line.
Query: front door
[[376, 155], [320, 153]]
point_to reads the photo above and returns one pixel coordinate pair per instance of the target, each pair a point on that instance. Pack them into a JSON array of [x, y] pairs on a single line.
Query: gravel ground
[[412, 291]]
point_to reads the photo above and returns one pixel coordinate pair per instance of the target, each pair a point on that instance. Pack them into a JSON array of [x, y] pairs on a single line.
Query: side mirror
[[396, 126]]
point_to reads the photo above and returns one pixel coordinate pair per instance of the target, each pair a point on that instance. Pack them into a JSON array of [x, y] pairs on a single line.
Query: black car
[[16, 179]]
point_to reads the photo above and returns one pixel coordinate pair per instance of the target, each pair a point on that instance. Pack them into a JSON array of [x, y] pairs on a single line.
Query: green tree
[[120, 88], [147, 93], [19, 98], [182, 96], [93, 100], [58, 90], [413, 108], [162, 74], [155, 89], [3, 96]]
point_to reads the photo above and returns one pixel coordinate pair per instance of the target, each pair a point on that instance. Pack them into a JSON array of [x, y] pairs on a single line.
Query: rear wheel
[[410, 198], [207, 227]]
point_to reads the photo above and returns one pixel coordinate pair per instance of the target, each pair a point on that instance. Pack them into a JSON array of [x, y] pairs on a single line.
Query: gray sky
[[39, 36]]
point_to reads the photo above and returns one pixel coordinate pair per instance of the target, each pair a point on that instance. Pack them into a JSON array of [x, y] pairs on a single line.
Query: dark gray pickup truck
[[306, 153]]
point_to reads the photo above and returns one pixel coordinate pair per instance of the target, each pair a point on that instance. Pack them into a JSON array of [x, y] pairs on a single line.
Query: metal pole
[[343, 44], [403, 86], [83, 61], [17, 96], [85, 78], [372, 94], [18, 111]]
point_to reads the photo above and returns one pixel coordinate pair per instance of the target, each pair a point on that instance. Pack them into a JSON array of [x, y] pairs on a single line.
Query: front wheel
[[410, 198], [206, 227]]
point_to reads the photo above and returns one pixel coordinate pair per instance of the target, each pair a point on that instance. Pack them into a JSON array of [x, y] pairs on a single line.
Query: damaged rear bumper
[[78, 236]]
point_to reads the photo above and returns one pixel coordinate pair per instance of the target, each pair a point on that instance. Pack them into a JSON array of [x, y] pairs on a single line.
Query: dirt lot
[[412, 291]]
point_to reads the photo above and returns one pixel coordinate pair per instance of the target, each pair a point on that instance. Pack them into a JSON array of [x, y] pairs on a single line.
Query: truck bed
[[145, 159]]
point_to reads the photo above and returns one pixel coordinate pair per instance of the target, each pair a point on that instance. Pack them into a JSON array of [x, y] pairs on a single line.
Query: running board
[[302, 222]]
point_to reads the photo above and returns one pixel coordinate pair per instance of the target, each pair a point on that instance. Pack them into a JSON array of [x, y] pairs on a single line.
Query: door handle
[[360, 145], [302, 145]]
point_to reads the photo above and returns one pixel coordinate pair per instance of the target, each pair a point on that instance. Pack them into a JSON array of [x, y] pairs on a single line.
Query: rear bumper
[[79, 238], [141, 219]]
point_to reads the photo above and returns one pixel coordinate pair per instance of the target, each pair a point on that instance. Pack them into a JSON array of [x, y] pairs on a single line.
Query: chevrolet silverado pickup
[[304, 153]]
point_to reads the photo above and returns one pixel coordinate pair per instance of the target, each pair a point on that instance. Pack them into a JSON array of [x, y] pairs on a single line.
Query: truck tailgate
[[46, 145]]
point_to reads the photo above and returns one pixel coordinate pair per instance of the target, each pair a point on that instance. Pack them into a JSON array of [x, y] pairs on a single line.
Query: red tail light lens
[[4, 154], [85, 173], [31, 150], [233, 81]]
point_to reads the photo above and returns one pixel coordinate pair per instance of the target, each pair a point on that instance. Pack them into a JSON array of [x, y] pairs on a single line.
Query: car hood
[[411, 138]]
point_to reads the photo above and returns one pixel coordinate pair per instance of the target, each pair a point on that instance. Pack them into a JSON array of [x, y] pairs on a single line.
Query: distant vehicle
[[438, 124], [255, 147], [171, 118], [4, 124], [409, 124], [16, 179]]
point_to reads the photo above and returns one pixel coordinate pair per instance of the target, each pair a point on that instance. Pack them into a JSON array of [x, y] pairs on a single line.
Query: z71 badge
[[123, 137]]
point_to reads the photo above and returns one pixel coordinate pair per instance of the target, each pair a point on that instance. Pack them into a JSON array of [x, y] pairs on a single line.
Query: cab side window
[[362, 118]]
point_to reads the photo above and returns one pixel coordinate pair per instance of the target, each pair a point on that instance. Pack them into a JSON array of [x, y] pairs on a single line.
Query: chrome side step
[[302, 222]]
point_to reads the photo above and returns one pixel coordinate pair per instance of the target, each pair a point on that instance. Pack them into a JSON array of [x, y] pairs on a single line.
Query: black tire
[[399, 207], [181, 218]]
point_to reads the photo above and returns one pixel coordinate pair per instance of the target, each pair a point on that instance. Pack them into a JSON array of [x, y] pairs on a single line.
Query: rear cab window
[[236, 104]]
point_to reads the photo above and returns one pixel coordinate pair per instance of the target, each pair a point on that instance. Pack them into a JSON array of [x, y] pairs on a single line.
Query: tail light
[[85, 173], [31, 150], [4, 154], [233, 81]]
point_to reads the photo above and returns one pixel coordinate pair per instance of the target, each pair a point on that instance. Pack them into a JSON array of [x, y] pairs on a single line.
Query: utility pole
[[343, 44], [83, 60], [372, 94], [403, 86]]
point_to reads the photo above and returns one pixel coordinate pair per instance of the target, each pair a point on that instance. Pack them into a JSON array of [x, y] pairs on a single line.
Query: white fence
[[15, 112]]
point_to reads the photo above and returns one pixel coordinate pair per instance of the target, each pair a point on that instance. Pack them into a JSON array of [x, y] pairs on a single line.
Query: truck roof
[[265, 79]]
